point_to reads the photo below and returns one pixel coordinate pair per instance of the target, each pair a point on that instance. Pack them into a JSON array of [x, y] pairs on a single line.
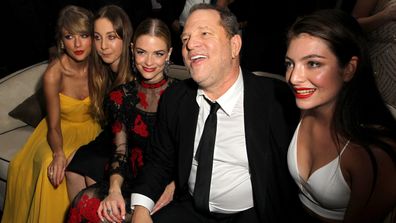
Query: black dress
[[91, 159], [132, 108]]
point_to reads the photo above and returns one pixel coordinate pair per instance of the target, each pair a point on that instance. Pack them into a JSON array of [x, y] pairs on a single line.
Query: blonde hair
[[74, 19]]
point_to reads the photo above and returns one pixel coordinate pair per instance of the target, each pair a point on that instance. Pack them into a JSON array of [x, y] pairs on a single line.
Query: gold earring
[[62, 45]]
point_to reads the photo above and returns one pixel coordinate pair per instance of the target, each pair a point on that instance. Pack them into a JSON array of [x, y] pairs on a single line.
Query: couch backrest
[[178, 72], [15, 88]]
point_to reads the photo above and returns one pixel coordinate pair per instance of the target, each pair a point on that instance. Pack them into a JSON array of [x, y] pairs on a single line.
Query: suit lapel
[[188, 123], [255, 115]]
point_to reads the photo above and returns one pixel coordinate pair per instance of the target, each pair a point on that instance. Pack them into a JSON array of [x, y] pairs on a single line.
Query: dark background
[[27, 26]]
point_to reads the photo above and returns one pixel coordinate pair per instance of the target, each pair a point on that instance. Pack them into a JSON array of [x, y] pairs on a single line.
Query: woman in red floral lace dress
[[133, 109]]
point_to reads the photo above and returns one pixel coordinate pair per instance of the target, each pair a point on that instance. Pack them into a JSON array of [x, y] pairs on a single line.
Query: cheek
[[97, 44], [139, 60], [327, 79], [87, 42], [161, 62], [184, 52], [68, 44], [117, 48], [287, 76]]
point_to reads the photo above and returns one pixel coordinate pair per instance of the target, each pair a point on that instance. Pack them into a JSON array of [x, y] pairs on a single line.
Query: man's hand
[[165, 198]]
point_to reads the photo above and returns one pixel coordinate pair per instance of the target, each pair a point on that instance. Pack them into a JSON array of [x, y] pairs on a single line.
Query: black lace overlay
[[132, 113]]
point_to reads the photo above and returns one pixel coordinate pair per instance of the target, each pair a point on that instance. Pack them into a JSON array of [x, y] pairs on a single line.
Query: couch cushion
[[14, 89], [11, 143], [178, 72], [32, 110]]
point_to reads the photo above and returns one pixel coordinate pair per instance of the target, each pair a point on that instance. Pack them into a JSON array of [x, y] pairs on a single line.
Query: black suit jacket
[[270, 119]]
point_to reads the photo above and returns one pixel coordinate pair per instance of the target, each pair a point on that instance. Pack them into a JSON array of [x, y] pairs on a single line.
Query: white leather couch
[[14, 89]]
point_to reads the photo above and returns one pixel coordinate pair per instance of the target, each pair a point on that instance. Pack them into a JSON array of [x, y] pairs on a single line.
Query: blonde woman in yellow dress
[[36, 187]]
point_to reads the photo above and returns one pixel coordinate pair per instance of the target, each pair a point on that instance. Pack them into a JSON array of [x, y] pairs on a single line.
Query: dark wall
[[27, 27]]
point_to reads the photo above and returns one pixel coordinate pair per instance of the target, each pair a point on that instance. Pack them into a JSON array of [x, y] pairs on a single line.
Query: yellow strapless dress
[[30, 195]]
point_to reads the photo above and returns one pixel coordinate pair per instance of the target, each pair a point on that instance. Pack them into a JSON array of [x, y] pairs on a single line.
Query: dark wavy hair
[[360, 113]]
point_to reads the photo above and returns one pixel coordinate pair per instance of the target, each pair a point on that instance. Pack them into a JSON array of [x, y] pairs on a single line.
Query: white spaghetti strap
[[346, 145]]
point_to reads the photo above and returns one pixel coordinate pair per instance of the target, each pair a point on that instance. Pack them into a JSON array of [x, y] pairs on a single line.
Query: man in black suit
[[250, 181]]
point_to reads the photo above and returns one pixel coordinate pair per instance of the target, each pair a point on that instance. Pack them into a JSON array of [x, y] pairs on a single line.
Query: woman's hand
[[112, 208], [56, 169], [166, 197], [141, 215]]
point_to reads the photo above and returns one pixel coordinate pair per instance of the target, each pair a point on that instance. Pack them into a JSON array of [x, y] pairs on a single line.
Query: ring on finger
[[109, 211]]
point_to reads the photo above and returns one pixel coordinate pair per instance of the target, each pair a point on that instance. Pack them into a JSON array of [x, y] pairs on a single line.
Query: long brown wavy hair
[[102, 78]]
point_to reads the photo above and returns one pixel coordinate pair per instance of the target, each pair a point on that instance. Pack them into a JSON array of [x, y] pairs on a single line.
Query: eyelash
[[70, 36], [159, 54], [288, 64], [313, 64]]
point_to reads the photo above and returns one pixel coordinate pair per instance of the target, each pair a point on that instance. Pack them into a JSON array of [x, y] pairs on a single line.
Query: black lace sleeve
[[118, 105]]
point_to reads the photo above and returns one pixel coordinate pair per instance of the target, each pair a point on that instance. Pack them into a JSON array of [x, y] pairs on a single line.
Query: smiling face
[[107, 43], [77, 46], [314, 73], [150, 54], [208, 51]]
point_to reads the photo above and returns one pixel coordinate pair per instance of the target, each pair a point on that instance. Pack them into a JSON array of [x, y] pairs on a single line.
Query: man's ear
[[350, 69], [236, 44]]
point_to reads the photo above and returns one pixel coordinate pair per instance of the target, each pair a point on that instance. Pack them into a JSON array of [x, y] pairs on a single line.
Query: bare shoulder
[[356, 152], [53, 73], [358, 164]]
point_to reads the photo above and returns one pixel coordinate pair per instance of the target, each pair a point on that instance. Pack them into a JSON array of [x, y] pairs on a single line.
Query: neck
[[154, 80], [323, 115], [221, 87], [80, 66], [114, 66], [151, 84]]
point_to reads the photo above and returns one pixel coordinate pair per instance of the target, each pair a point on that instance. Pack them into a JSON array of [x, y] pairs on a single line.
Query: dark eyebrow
[[313, 56]]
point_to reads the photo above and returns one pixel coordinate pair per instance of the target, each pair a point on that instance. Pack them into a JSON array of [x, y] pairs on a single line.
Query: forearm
[[55, 141], [370, 23], [116, 181], [141, 214]]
